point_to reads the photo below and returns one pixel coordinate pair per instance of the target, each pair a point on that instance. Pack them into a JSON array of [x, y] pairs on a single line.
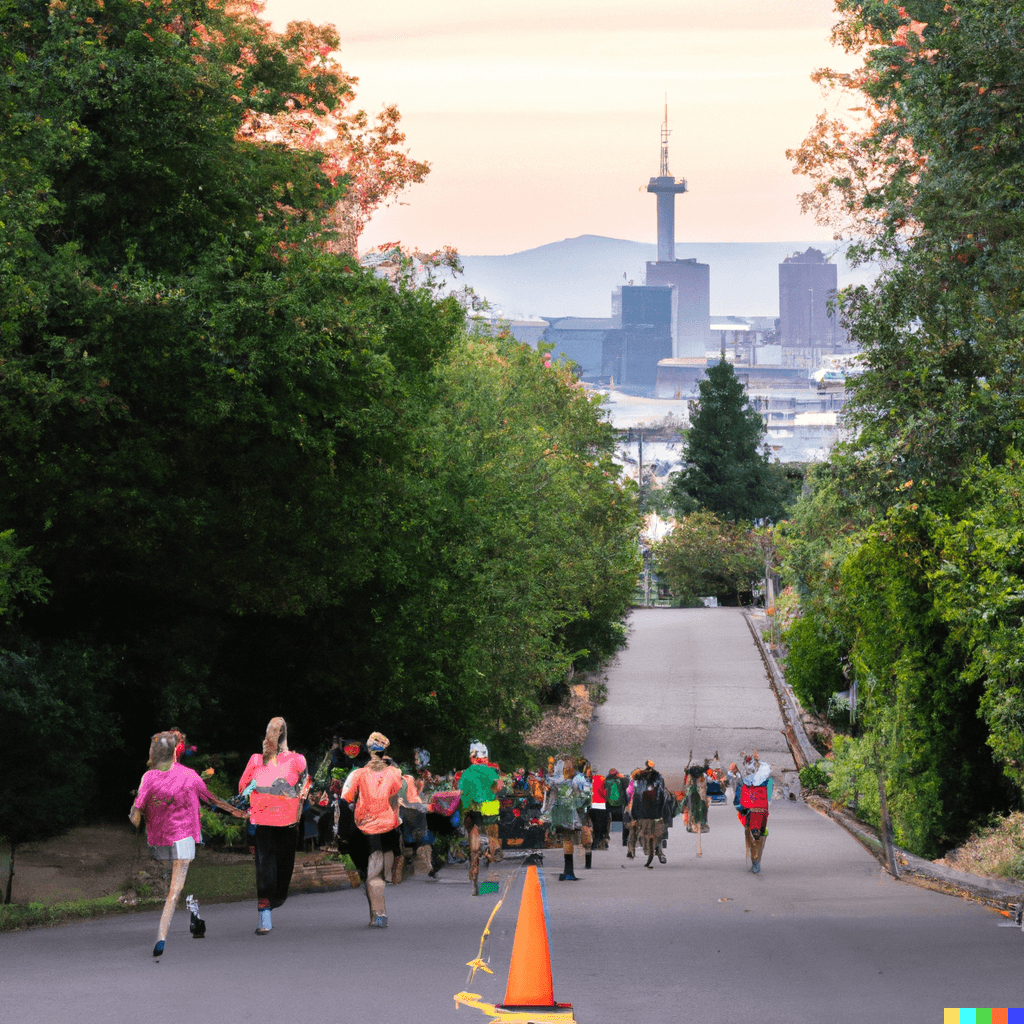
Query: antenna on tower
[[665, 133]]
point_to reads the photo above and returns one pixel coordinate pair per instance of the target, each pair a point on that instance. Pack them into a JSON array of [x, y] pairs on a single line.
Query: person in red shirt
[[599, 812], [278, 782], [373, 793]]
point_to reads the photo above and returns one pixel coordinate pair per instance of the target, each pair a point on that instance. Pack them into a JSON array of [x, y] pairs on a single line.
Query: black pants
[[275, 861], [362, 845], [599, 820]]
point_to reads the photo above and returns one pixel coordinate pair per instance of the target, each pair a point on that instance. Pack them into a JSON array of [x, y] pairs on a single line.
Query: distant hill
[[575, 277]]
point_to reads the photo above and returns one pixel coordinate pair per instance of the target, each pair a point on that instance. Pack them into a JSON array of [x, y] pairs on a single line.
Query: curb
[[314, 875], [990, 892], [803, 751]]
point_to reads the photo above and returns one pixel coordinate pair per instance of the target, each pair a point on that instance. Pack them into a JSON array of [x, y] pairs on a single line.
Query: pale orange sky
[[541, 120]]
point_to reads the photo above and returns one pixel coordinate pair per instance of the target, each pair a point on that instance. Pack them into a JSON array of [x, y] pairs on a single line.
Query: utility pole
[[640, 481], [640, 456]]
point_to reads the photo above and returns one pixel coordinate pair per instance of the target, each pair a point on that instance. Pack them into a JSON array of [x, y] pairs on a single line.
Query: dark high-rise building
[[808, 327], [645, 315]]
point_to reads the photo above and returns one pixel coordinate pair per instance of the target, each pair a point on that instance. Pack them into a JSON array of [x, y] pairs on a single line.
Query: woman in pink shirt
[[278, 783], [168, 799]]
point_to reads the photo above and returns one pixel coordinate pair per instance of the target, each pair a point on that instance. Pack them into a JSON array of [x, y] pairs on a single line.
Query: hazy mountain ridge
[[575, 277]]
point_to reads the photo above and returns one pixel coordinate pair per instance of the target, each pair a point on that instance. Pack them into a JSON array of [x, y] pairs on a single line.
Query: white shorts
[[183, 849]]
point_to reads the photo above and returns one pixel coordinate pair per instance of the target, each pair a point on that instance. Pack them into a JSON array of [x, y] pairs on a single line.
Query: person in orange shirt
[[373, 791], [278, 783]]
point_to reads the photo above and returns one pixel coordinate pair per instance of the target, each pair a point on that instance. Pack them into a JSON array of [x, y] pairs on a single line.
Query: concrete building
[[592, 343], [808, 328], [691, 280]]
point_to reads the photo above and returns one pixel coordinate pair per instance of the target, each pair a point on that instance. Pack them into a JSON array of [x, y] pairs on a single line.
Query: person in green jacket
[[478, 785]]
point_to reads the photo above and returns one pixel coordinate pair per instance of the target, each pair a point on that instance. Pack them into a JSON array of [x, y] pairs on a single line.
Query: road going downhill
[[822, 934]]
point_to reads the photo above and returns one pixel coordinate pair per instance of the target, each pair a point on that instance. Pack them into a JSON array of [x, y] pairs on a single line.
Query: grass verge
[[996, 851], [16, 916], [209, 883]]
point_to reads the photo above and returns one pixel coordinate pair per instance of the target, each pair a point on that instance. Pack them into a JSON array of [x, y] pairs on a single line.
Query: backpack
[[754, 801], [613, 791], [754, 798]]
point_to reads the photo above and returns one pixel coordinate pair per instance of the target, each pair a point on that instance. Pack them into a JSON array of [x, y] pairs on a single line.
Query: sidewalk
[[993, 892]]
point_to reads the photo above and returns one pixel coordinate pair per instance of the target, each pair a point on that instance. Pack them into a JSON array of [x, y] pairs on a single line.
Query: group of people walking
[[386, 807], [276, 783]]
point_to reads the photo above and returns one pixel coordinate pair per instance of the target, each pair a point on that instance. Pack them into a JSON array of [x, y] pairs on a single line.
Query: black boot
[[569, 875], [586, 861]]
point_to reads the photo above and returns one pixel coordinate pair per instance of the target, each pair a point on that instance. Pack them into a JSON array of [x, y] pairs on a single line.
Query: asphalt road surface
[[820, 934]]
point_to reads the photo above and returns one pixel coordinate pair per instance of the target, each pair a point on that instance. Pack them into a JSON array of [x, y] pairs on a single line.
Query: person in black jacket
[[648, 810]]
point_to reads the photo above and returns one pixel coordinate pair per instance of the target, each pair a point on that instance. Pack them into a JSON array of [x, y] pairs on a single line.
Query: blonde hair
[[276, 740]]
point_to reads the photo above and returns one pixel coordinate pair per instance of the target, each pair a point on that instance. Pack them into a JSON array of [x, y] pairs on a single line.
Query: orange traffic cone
[[529, 974]]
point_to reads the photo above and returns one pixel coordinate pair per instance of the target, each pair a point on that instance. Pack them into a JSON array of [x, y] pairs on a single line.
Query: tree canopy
[[705, 557], [925, 171], [245, 476]]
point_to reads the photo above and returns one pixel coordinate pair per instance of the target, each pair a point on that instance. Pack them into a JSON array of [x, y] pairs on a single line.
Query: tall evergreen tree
[[727, 469]]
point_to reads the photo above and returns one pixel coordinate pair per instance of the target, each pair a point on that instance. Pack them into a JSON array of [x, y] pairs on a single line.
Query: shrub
[[816, 776], [813, 663]]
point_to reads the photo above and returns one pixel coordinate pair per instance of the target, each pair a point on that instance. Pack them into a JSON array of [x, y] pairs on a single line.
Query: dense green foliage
[[726, 468], [246, 477], [814, 662], [706, 557], [907, 555]]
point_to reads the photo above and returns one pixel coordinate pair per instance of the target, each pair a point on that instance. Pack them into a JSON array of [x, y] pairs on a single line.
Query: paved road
[[820, 934], [689, 680]]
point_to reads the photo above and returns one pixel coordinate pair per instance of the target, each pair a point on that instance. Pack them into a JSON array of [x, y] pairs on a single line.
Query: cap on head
[[377, 742], [477, 750]]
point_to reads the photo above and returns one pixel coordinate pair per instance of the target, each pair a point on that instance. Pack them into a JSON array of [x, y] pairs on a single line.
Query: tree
[[363, 152], [979, 583], [269, 480], [727, 469], [54, 706], [202, 410], [20, 581], [519, 541], [927, 174], [706, 557], [926, 171]]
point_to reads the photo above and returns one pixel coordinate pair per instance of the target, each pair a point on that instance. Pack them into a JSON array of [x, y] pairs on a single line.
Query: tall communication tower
[[666, 188]]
